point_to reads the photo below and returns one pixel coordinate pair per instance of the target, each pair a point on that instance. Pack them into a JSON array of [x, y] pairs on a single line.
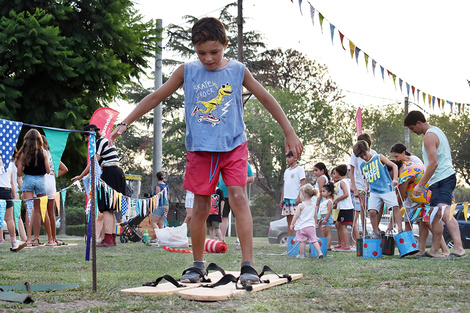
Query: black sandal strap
[[167, 278], [226, 279], [268, 269], [215, 267]]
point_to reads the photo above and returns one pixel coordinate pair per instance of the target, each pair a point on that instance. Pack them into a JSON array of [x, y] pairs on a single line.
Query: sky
[[422, 42]]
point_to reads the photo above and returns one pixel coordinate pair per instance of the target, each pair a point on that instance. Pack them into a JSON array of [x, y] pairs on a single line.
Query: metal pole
[[240, 30], [93, 219], [157, 112], [407, 131]]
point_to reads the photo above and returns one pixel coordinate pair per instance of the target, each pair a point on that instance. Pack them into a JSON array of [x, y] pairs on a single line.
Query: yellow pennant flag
[[57, 201], [451, 211], [352, 48], [465, 210], [43, 204]]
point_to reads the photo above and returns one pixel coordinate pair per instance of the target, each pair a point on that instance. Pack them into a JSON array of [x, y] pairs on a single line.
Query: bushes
[[76, 230], [75, 215]]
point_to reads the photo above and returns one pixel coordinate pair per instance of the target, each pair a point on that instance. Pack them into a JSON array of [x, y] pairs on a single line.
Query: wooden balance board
[[168, 288], [222, 293]]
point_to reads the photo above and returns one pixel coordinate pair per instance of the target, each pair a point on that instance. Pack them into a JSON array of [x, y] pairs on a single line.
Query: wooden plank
[[167, 288], [223, 293]]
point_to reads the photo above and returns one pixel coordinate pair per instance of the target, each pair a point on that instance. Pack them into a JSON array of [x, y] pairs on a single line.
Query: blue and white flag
[[9, 132]]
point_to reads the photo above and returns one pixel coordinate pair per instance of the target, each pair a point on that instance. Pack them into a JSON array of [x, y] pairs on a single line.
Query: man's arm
[[431, 142]]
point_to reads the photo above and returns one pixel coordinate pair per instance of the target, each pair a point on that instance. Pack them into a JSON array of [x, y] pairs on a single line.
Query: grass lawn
[[340, 282]]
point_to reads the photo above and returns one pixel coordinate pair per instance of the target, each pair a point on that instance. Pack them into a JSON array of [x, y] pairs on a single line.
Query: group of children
[[341, 200], [34, 160]]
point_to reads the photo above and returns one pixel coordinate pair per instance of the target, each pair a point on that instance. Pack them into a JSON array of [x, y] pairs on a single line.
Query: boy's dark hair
[[208, 29], [413, 117], [290, 154], [399, 148], [160, 176], [366, 138], [341, 169], [360, 147], [329, 187]]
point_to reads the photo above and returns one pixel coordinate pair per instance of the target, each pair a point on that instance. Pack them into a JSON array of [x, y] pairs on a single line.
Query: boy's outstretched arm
[[150, 102], [267, 100]]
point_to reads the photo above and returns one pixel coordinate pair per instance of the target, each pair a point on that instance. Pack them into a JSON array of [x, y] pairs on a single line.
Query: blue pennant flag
[[9, 132]]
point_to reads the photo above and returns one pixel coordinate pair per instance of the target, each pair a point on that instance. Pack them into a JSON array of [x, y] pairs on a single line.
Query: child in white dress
[[304, 221]]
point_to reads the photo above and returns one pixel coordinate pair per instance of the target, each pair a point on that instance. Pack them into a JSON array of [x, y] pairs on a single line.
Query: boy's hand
[[394, 183], [293, 143]]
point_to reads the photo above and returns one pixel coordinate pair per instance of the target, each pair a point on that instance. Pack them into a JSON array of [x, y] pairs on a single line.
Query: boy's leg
[[244, 222], [201, 210], [373, 220], [290, 232], [397, 215]]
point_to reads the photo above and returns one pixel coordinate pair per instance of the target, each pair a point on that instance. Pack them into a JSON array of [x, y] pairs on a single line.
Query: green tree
[[61, 60]]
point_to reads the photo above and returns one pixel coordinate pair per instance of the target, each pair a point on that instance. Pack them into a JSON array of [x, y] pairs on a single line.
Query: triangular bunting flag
[[43, 205], [9, 132], [3, 209], [424, 97], [394, 80], [465, 210], [400, 82], [29, 210], [57, 140], [341, 36], [433, 101], [407, 90], [382, 71], [57, 200], [417, 95], [374, 63], [320, 16], [352, 48], [312, 14], [356, 53], [429, 100], [17, 211], [366, 59], [300, 7], [332, 31], [63, 195]]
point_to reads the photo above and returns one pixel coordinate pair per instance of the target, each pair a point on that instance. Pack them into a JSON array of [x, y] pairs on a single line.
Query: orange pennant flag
[[43, 205], [465, 210], [57, 200], [452, 210], [352, 48]]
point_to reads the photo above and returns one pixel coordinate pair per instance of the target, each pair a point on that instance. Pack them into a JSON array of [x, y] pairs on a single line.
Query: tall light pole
[[157, 112]]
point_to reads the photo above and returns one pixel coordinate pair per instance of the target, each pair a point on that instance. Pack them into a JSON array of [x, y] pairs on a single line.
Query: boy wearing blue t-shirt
[[215, 136], [380, 185]]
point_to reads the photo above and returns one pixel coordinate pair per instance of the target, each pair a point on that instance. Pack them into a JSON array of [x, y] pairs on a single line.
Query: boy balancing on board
[[215, 136], [380, 184]]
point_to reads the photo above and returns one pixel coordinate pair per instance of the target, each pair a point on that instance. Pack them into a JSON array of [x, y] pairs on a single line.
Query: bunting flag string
[[355, 50]]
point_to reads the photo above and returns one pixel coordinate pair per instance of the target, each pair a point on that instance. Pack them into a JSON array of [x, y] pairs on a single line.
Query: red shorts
[[203, 168]]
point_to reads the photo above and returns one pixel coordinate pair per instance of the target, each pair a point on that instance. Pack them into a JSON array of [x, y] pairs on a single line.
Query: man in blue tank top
[[440, 175]]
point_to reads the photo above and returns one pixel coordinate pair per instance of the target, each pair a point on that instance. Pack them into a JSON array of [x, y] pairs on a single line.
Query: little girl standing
[[32, 161], [304, 221], [344, 204], [325, 209]]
